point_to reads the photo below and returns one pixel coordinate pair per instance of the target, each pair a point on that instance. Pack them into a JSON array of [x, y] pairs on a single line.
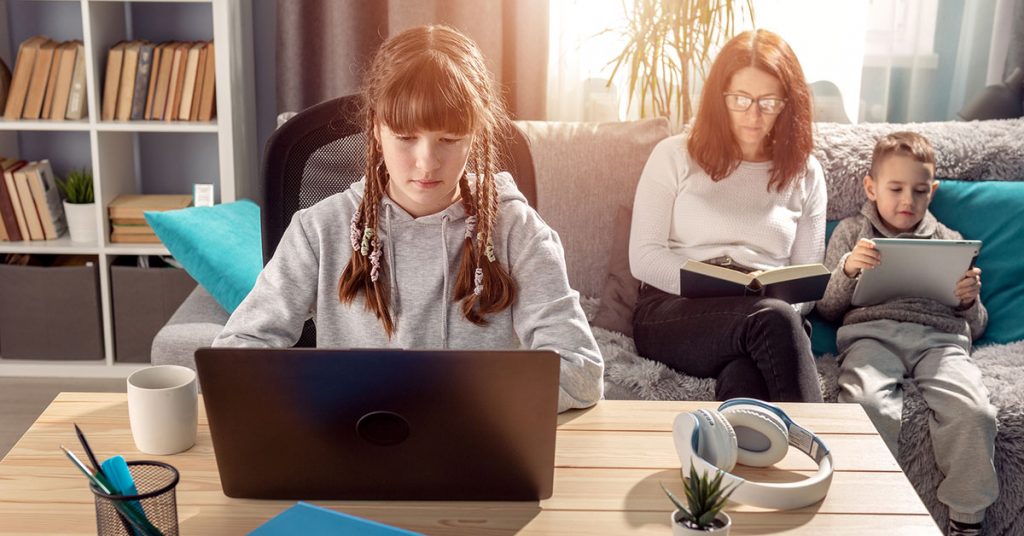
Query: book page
[[717, 272], [788, 273]]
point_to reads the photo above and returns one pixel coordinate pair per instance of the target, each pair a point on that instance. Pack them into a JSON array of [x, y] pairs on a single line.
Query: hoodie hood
[[429, 248]]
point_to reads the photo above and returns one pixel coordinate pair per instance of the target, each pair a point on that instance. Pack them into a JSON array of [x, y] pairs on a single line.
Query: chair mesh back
[[332, 166]]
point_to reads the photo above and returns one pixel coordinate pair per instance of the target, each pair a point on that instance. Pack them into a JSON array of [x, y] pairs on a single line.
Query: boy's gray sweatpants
[[874, 358]]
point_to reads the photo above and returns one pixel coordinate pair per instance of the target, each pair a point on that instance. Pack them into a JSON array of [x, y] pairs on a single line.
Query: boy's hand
[[969, 287], [863, 257]]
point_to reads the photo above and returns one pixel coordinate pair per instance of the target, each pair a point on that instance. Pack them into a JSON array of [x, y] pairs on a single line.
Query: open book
[[793, 284]]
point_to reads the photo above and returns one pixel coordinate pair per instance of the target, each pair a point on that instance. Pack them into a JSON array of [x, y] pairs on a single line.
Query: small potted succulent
[[79, 205], [702, 514]]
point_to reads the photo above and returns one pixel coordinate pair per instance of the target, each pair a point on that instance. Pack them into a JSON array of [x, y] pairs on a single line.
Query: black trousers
[[755, 347]]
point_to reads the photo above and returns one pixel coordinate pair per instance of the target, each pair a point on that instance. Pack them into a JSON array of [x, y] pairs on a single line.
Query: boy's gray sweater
[[420, 262], [835, 304]]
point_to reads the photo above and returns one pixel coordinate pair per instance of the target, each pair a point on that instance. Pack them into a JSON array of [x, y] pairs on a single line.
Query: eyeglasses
[[740, 103]]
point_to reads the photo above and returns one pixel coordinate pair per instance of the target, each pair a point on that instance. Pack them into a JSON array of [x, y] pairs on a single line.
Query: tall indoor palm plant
[[668, 44]]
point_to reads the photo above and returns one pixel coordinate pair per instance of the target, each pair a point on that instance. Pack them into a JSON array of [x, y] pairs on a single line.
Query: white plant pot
[[81, 221], [679, 529]]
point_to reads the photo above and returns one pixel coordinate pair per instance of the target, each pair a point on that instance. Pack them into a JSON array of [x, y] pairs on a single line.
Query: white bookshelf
[[129, 157]]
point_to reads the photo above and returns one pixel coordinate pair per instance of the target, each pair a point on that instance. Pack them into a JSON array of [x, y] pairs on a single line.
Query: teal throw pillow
[[823, 332], [991, 211], [219, 246]]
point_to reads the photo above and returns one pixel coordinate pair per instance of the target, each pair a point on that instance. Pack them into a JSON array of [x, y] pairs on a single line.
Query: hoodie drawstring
[[392, 277], [445, 290]]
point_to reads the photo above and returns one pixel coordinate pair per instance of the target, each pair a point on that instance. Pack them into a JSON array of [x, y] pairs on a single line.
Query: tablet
[[916, 268]]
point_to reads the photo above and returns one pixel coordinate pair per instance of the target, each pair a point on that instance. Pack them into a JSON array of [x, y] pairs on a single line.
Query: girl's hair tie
[[478, 281]]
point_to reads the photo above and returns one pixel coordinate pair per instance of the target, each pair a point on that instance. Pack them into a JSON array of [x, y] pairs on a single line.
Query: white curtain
[[867, 60]]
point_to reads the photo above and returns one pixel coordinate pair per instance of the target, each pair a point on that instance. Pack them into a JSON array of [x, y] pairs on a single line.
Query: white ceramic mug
[[163, 408]]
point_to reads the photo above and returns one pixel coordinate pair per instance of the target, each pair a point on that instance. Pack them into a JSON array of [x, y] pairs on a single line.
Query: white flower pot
[[679, 529], [81, 221]]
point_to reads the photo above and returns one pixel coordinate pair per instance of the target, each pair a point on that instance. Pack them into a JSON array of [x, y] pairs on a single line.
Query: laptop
[[916, 268], [301, 423]]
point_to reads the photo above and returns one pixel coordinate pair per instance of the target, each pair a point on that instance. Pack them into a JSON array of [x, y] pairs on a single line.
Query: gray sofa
[[586, 175]]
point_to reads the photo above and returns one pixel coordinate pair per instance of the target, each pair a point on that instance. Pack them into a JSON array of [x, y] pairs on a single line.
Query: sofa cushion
[[620, 289], [991, 211], [219, 246], [585, 171]]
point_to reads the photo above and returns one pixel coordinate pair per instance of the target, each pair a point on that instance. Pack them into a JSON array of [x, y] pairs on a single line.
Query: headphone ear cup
[[761, 437], [717, 443]]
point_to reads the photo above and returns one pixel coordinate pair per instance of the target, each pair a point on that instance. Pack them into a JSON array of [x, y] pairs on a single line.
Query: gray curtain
[[1015, 53], [323, 45]]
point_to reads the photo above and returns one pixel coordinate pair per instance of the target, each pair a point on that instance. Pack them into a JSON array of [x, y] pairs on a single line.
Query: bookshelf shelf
[[156, 126], [133, 157], [80, 126]]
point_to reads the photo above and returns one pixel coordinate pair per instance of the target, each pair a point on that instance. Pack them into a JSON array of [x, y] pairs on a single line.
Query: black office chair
[[321, 151]]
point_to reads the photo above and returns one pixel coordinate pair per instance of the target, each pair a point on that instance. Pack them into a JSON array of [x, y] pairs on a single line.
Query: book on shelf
[[112, 79], [208, 100], [197, 93], [4, 234], [15, 202], [43, 185], [130, 228], [177, 81], [154, 74], [793, 284], [76, 108], [121, 238], [5, 83], [126, 87], [138, 106], [162, 80], [6, 209], [51, 82], [133, 206], [189, 85], [28, 206], [37, 85], [67, 54], [24, 63]]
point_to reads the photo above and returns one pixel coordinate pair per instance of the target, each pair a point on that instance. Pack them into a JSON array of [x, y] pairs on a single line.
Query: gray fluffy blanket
[[974, 151], [631, 377]]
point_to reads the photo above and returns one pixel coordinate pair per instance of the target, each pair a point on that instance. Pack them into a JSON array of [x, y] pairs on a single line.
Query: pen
[[97, 468], [100, 473], [141, 524]]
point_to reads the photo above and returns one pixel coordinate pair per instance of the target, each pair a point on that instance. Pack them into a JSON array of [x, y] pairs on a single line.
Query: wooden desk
[[609, 462]]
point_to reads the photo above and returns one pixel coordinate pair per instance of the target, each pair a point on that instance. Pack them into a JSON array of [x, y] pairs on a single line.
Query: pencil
[[97, 468]]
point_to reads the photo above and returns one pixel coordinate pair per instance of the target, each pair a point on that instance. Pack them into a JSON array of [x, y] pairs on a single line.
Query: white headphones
[[756, 433]]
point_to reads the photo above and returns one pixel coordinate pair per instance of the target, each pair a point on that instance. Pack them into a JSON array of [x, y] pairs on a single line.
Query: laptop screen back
[[382, 424]]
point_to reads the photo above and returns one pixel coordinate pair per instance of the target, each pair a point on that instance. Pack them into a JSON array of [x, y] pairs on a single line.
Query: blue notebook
[[306, 519]]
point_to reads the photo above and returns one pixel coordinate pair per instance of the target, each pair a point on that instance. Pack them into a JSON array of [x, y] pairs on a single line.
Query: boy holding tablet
[[915, 338]]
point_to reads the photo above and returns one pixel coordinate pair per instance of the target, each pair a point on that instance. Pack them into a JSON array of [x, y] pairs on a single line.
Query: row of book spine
[[48, 81], [30, 206], [170, 81]]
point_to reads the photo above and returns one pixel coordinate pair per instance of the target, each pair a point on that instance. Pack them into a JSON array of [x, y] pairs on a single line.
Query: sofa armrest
[[194, 325]]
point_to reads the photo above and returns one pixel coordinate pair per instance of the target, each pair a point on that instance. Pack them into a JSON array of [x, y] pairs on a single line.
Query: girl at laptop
[[433, 248]]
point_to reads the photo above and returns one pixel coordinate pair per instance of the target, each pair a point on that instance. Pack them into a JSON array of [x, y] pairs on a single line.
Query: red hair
[[789, 144]]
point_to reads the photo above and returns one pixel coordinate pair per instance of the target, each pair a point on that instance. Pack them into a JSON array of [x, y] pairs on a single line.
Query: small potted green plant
[[702, 514], [79, 205]]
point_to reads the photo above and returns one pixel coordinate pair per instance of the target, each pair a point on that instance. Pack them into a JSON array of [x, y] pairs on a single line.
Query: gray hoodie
[[835, 304], [421, 257]]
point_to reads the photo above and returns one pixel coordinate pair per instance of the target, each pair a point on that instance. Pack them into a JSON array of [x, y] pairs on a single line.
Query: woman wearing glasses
[[742, 190]]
